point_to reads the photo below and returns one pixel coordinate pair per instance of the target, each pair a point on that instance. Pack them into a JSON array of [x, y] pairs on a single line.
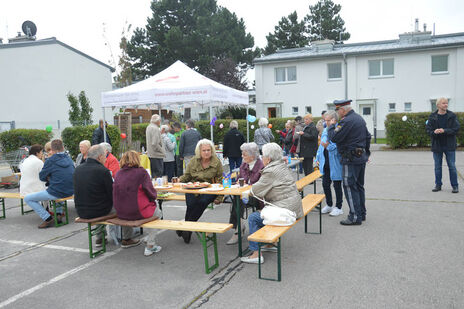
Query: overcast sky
[[94, 26]]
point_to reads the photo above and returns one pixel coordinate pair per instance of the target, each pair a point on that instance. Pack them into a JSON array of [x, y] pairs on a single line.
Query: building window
[[440, 64], [391, 107], [308, 110], [381, 68], [334, 70], [433, 104], [295, 110], [366, 111], [407, 106], [287, 74]]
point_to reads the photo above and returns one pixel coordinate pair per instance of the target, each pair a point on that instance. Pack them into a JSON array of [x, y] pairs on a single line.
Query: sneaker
[[436, 189], [130, 243], [455, 190], [233, 240], [336, 212], [150, 251], [349, 222], [99, 242], [247, 259], [327, 209]]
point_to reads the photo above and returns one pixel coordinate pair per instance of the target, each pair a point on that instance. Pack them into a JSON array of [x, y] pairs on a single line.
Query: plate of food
[[163, 187], [215, 187], [196, 185]]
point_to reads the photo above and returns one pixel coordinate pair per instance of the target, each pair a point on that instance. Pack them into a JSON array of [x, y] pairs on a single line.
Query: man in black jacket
[[443, 127], [308, 144], [98, 136], [232, 142], [93, 187]]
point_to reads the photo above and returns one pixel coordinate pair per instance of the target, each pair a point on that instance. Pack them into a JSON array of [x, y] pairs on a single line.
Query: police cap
[[340, 103]]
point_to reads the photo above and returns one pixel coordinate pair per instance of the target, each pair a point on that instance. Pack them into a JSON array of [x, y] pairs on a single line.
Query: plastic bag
[[273, 215]]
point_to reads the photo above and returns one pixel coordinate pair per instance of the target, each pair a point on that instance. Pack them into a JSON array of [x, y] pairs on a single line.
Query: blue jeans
[[451, 162], [234, 163], [33, 200], [254, 223]]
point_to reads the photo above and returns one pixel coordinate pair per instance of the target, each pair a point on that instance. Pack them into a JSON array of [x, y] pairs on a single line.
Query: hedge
[[13, 139], [404, 134], [203, 126], [72, 136]]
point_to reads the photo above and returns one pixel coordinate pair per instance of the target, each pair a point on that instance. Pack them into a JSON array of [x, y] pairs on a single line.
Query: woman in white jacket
[[30, 169], [169, 143]]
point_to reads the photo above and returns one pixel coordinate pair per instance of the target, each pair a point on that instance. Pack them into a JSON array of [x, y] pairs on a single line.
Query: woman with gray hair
[[277, 187], [263, 135], [204, 167], [232, 142], [84, 147], [111, 162], [250, 171]]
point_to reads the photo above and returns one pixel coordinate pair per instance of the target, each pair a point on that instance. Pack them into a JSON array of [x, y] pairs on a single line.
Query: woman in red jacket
[[111, 162], [134, 196]]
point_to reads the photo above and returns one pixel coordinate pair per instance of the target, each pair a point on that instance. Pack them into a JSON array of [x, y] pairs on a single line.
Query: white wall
[[412, 82], [34, 81]]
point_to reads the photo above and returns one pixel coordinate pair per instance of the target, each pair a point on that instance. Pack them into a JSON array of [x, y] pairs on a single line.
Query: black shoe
[[179, 233], [455, 190], [436, 189], [349, 222], [186, 236], [364, 218]]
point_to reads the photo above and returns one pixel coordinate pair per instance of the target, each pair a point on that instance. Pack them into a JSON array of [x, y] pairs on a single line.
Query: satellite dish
[[29, 28]]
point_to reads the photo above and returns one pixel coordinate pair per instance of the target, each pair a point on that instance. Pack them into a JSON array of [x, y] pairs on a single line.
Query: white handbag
[[275, 215]]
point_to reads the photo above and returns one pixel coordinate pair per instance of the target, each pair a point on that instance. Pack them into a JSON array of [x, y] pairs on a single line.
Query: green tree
[[86, 109], [74, 110], [125, 76], [80, 111], [226, 72], [195, 31], [325, 22], [235, 112], [289, 33]]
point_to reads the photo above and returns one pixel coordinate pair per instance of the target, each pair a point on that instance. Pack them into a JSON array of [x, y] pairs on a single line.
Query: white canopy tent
[[174, 88]]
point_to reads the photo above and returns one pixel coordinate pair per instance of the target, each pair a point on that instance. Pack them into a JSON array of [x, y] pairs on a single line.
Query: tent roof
[[176, 85]]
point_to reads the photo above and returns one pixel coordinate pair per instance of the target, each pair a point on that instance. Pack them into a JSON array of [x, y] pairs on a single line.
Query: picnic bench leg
[[279, 262], [3, 216], [65, 206], [320, 221], [204, 239], [236, 201], [93, 232], [22, 209]]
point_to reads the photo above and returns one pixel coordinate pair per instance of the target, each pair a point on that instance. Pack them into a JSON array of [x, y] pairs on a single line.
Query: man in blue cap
[[353, 143]]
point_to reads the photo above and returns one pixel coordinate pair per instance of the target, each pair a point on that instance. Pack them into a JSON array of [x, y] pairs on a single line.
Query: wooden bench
[[95, 231], [270, 234], [309, 179], [53, 203], [205, 231]]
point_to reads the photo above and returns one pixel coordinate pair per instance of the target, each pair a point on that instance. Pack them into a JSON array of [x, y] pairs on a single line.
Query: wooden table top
[[227, 191]]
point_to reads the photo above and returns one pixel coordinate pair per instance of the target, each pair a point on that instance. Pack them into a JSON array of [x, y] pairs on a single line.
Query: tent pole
[[248, 125], [104, 125], [210, 118], [159, 110]]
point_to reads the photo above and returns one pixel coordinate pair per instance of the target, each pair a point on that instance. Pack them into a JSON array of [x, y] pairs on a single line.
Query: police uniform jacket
[[351, 134]]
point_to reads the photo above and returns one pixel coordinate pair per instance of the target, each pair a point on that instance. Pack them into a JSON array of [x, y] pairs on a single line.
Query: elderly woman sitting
[[203, 167], [84, 147], [111, 162], [250, 171], [275, 186]]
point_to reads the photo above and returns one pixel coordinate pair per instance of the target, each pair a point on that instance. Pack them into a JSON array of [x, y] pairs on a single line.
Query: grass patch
[[379, 141]]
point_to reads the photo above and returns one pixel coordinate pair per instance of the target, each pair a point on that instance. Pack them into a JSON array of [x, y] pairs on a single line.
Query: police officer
[[353, 142]]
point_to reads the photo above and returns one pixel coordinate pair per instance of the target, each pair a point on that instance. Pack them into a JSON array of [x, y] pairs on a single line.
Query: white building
[[404, 75], [36, 76]]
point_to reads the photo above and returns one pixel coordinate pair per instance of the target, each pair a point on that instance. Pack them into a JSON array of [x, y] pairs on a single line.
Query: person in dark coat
[[250, 171], [97, 136], [93, 188], [443, 127], [308, 144], [232, 142]]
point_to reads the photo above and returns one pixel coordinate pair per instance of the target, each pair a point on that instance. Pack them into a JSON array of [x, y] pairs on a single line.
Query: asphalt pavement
[[409, 253]]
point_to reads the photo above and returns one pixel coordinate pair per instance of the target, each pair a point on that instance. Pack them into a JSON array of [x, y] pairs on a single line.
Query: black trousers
[[156, 166], [308, 165], [337, 184], [196, 205], [179, 166], [168, 169]]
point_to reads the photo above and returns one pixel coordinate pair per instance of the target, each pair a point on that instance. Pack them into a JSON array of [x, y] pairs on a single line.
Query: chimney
[[416, 25], [425, 27]]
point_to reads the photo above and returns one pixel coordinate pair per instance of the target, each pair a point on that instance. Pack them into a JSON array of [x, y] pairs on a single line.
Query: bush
[[138, 133], [72, 136], [13, 139], [403, 134]]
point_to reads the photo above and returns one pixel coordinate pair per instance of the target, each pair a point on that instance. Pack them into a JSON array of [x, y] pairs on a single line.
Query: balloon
[[48, 128], [269, 126], [213, 121], [404, 118], [221, 126], [252, 127], [251, 118], [123, 135]]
